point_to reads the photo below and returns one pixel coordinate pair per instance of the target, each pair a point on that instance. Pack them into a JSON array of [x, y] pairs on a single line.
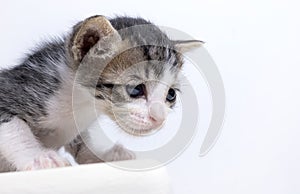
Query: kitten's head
[[131, 67]]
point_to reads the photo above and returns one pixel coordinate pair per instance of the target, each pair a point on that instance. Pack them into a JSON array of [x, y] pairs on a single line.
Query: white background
[[256, 47]]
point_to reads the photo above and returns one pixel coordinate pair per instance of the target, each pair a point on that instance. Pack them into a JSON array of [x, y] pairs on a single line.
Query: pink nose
[[157, 112]]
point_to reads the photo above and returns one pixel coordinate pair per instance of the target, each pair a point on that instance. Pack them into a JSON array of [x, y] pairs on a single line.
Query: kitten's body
[[36, 97]]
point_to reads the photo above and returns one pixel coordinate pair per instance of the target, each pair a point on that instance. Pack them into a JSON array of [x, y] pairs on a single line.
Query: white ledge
[[87, 179]]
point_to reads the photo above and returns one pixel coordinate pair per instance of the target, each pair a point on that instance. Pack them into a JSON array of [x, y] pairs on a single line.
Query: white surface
[[91, 179], [256, 46]]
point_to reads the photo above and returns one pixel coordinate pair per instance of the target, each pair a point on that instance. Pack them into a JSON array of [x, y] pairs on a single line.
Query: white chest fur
[[69, 113]]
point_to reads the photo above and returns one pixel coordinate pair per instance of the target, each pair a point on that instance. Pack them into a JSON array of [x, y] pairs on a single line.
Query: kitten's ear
[[187, 45], [87, 33]]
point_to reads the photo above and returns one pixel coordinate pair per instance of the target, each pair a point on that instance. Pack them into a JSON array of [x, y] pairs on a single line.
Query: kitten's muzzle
[[157, 112]]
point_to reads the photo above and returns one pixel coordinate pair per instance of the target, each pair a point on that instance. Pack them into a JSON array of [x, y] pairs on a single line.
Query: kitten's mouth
[[141, 132], [139, 126], [137, 123]]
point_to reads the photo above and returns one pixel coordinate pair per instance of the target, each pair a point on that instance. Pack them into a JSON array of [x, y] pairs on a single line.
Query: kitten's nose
[[157, 112]]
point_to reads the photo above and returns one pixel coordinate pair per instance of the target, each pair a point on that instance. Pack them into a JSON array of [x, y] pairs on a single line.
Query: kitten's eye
[[171, 95], [136, 91]]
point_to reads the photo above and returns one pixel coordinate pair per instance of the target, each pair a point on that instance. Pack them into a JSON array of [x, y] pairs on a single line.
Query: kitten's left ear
[[187, 45], [87, 33]]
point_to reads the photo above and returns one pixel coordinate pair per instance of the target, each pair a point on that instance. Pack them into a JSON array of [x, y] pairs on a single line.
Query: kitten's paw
[[48, 159], [117, 153]]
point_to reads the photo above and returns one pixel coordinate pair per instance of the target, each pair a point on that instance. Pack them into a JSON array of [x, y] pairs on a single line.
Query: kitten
[[46, 101]]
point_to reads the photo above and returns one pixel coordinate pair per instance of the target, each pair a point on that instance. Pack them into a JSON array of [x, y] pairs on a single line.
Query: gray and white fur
[[129, 74]]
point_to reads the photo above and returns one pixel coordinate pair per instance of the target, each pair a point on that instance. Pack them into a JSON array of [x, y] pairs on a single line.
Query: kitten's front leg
[[117, 153], [20, 148], [86, 151]]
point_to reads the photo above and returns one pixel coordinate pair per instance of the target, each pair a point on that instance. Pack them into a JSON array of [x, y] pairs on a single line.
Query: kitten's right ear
[[187, 45], [86, 34]]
